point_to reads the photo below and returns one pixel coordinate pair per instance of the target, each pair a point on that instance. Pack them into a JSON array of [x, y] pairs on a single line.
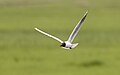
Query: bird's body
[[67, 44]]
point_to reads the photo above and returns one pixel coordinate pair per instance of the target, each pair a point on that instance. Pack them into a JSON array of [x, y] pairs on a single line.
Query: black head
[[63, 45]]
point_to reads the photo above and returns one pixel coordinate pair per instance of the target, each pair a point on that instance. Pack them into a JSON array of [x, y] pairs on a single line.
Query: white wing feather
[[76, 29], [49, 35]]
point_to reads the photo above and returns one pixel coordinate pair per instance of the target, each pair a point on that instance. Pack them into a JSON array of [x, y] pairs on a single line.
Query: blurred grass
[[23, 51]]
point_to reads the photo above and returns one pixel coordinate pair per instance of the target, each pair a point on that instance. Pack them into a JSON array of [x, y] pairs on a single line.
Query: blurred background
[[24, 51]]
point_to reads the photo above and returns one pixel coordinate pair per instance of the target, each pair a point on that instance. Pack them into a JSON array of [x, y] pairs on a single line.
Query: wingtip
[[84, 16], [35, 28], [86, 12]]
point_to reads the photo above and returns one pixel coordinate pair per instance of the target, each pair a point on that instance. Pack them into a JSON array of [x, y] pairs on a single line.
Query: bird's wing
[[49, 35], [76, 29]]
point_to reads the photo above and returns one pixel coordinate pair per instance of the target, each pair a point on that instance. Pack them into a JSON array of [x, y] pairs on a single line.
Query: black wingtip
[[84, 16]]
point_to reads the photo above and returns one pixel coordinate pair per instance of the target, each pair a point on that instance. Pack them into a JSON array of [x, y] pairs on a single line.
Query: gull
[[67, 44]]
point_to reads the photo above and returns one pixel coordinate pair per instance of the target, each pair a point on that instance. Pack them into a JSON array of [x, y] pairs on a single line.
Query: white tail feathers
[[74, 45]]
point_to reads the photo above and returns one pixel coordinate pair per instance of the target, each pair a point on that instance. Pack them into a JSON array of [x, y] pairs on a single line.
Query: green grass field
[[23, 51]]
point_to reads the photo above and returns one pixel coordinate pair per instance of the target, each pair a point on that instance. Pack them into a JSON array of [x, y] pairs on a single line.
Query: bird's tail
[[74, 45]]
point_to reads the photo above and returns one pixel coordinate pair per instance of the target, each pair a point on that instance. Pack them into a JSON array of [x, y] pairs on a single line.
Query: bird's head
[[63, 45]]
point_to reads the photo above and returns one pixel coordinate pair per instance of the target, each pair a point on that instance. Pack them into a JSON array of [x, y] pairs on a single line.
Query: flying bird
[[67, 44]]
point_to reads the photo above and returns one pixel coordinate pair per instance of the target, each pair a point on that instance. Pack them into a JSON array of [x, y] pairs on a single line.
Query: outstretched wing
[[49, 35], [76, 29]]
